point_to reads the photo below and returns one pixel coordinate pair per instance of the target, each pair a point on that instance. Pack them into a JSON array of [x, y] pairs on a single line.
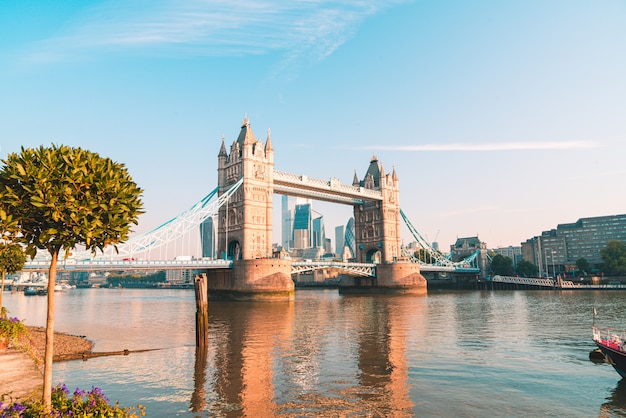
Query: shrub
[[11, 330], [88, 404]]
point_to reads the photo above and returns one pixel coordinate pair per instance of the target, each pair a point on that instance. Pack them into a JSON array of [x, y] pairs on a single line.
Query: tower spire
[[222, 149], [268, 143]]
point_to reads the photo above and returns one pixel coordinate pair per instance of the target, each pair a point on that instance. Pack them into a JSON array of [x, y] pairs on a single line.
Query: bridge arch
[[234, 250], [373, 256]]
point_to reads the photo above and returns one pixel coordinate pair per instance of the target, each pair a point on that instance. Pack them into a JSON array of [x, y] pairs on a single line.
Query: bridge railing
[[360, 269], [532, 281]]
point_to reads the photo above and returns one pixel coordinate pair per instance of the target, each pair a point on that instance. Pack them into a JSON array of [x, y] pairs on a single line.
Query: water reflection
[[243, 337], [198, 397], [512, 353], [616, 405], [313, 356]]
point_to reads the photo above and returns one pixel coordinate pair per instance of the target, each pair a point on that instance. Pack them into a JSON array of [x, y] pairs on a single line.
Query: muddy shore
[[64, 344]]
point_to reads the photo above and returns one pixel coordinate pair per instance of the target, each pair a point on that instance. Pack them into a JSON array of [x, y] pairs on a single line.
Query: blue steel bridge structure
[[145, 251]]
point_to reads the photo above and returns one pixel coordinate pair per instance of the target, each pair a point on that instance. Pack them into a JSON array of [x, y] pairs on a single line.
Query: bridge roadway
[[91, 265], [327, 190]]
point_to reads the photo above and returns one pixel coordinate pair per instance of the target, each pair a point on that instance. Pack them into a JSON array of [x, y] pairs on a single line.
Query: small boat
[[612, 343], [30, 291]]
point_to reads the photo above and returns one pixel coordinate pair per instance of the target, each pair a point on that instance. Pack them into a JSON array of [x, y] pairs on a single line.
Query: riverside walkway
[[20, 378]]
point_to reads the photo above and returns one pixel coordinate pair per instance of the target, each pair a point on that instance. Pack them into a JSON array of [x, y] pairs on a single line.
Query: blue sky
[[502, 119]]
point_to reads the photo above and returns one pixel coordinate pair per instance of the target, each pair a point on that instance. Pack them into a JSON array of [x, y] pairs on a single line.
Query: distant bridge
[[541, 283]]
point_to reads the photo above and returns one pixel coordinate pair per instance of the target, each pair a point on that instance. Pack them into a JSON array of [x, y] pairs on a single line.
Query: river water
[[445, 354]]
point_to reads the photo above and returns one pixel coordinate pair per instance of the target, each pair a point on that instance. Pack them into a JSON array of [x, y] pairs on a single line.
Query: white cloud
[[499, 146], [214, 27]]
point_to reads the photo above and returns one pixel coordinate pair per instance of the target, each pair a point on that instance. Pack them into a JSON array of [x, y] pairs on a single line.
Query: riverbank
[[21, 372]]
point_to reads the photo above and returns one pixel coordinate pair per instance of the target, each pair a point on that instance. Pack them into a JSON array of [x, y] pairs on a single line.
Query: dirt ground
[[64, 344]]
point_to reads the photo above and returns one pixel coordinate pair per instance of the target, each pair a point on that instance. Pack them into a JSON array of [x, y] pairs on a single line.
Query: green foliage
[[583, 266], [11, 329], [55, 198], [614, 257], [424, 256], [527, 269], [502, 265], [135, 280], [86, 404], [12, 258]]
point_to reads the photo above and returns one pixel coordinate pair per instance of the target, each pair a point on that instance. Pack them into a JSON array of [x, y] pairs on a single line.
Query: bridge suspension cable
[[438, 258], [169, 231]]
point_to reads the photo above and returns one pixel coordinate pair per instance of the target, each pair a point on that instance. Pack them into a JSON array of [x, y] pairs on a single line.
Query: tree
[[424, 256], [502, 265], [583, 266], [527, 269], [55, 198], [12, 259], [614, 257]]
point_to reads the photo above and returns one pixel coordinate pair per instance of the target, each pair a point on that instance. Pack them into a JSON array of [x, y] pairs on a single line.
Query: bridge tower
[[245, 223], [377, 237], [377, 223]]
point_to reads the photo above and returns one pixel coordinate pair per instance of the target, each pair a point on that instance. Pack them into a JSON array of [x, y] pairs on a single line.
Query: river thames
[[445, 354]]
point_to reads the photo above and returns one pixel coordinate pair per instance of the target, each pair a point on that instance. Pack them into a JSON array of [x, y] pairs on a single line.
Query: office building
[[288, 215], [350, 240], [557, 250], [207, 238], [318, 234], [339, 239]]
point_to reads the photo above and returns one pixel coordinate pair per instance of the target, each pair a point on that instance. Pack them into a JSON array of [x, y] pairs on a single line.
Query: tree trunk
[[47, 369], [2, 290]]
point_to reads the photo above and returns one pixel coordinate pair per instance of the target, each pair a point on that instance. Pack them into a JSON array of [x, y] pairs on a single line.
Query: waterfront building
[[180, 277], [466, 247], [557, 250], [514, 253]]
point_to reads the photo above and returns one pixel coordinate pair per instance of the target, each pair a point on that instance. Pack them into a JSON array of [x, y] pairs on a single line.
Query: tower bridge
[[245, 224], [242, 205]]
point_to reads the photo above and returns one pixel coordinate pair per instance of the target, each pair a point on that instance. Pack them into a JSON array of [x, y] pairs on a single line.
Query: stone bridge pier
[[245, 225]]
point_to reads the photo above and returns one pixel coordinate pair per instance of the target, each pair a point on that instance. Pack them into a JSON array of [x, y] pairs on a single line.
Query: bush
[[88, 404], [11, 330]]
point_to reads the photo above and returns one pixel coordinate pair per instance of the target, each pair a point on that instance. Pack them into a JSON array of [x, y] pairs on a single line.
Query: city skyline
[[502, 120]]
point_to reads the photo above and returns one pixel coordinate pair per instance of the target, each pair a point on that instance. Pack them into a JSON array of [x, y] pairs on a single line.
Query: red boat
[[612, 344]]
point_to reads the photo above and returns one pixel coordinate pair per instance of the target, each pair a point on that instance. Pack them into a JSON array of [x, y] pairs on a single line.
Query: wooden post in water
[[202, 311]]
